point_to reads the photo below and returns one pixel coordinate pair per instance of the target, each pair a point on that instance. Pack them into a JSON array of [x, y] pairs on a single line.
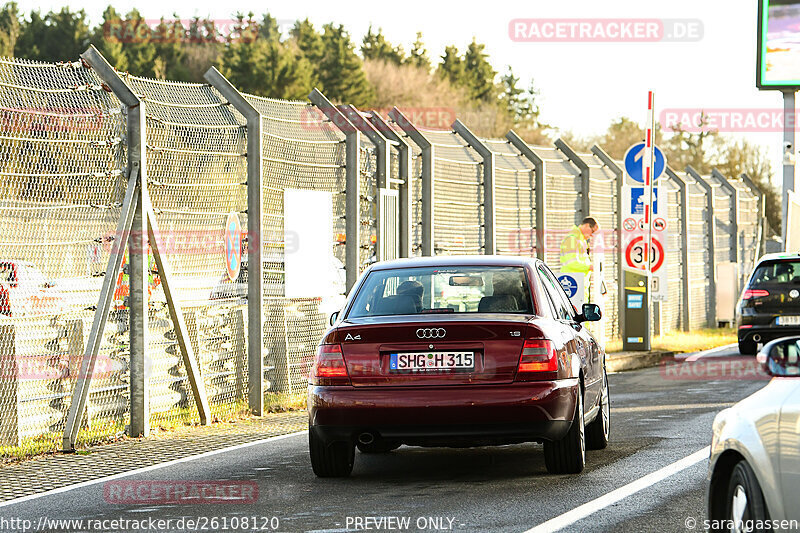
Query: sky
[[583, 85]]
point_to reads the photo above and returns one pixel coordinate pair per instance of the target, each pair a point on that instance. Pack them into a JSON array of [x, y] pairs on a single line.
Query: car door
[[588, 353], [788, 460]]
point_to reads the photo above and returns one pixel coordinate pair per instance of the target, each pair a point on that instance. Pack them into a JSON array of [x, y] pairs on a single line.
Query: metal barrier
[[97, 159]]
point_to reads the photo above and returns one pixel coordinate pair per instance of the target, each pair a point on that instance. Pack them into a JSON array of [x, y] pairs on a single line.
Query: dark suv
[[770, 303]]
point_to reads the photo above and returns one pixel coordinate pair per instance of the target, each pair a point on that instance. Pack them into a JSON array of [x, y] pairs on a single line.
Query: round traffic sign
[[635, 254], [629, 224], [233, 246], [634, 162], [569, 283], [659, 224]]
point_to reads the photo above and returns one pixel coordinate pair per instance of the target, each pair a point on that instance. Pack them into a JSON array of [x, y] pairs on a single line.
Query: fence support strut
[[686, 293], [428, 177], [540, 171], [711, 312], [489, 245], [255, 277]]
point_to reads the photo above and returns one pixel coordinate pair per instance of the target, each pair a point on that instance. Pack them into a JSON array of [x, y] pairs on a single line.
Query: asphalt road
[[658, 417]]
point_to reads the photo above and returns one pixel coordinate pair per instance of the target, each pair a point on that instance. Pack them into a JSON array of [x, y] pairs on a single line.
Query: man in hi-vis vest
[[575, 251]]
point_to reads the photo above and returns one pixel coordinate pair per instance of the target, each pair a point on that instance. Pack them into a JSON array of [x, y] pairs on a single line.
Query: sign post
[[643, 239]]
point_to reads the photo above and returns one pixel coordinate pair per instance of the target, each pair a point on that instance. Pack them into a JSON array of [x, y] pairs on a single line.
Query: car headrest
[[401, 304]]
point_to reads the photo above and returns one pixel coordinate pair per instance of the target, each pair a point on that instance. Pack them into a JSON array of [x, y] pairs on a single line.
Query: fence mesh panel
[[603, 208], [672, 308], [458, 195], [302, 150], [699, 257], [62, 184], [514, 200], [748, 237]]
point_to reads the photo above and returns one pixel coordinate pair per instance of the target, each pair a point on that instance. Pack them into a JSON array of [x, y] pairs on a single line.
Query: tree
[[267, 66], [451, 66], [340, 71], [375, 46], [58, 36], [9, 29], [478, 73], [418, 56], [684, 147], [308, 40]]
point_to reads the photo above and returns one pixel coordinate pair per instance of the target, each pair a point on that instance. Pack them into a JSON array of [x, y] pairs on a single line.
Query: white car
[[754, 467]]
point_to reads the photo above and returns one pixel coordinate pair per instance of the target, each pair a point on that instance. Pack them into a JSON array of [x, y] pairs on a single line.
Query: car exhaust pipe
[[757, 337], [366, 438]]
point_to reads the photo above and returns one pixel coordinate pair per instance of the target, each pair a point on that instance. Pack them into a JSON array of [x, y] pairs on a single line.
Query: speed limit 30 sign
[[635, 254]]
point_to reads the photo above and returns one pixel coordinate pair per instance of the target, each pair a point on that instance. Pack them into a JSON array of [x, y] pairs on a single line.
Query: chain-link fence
[[64, 177]]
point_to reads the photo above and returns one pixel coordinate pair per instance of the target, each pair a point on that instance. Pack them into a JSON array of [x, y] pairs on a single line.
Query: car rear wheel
[[598, 430], [747, 347], [378, 446], [334, 459], [745, 501], [568, 455]]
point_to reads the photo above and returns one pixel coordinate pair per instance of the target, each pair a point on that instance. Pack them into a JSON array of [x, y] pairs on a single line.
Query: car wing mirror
[[781, 357], [333, 318], [589, 313]]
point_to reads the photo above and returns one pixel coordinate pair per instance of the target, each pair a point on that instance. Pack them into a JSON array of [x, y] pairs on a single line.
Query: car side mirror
[[333, 318], [781, 357], [590, 313]]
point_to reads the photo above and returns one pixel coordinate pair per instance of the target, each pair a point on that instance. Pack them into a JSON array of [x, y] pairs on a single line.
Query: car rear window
[[786, 271], [473, 289]]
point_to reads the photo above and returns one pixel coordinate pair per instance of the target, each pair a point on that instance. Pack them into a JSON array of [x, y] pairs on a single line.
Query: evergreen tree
[[375, 46], [9, 28], [478, 73], [340, 72], [419, 55], [520, 104], [452, 66], [308, 40], [58, 36]]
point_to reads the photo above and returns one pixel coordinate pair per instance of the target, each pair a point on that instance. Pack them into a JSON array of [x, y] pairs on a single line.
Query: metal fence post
[[540, 168], [255, 277], [428, 176], [404, 186], [584, 173], [711, 316], [383, 148], [687, 294], [137, 264], [734, 214], [487, 155], [352, 185], [620, 180], [761, 208]]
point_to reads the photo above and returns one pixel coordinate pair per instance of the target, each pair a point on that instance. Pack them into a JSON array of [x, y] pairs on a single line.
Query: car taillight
[[538, 355], [750, 294], [329, 367]]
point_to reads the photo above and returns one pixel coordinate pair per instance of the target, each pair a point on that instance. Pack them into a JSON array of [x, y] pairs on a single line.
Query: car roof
[[779, 256], [455, 260]]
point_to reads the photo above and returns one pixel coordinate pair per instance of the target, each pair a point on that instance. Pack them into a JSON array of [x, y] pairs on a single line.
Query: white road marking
[[704, 353], [149, 468], [581, 512]]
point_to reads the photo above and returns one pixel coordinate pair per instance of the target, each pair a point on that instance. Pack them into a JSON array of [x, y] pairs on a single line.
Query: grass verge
[[685, 341]]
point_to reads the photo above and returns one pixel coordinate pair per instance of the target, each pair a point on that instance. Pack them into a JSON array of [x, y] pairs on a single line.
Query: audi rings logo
[[431, 333]]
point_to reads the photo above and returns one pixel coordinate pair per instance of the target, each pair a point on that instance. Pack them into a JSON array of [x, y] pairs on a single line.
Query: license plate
[[788, 320], [432, 361]]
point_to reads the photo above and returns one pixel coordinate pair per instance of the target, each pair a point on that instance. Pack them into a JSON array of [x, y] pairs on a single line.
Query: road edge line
[[150, 468], [616, 495]]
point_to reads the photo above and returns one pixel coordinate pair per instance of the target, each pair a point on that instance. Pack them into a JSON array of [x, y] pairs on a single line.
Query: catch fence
[[328, 178]]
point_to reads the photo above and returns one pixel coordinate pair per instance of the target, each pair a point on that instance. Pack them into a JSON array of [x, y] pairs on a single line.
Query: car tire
[[334, 459], [378, 446], [568, 455], [598, 430], [745, 501], [747, 347]]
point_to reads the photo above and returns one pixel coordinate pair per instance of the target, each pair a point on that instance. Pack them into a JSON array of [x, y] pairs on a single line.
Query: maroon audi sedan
[[458, 352]]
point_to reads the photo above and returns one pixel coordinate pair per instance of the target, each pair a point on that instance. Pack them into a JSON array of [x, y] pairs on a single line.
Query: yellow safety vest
[[573, 252]]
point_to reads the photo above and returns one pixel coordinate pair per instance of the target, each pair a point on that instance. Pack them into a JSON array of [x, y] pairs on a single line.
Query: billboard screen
[[778, 44]]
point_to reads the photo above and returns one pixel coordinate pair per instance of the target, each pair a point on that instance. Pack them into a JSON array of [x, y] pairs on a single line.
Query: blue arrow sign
[[634, 162]]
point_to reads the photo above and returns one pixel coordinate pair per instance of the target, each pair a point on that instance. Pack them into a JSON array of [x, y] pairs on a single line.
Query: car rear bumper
[[514, 412], [767, 333]]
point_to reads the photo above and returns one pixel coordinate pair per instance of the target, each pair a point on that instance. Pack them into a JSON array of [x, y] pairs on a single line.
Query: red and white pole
[[648, 165]]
